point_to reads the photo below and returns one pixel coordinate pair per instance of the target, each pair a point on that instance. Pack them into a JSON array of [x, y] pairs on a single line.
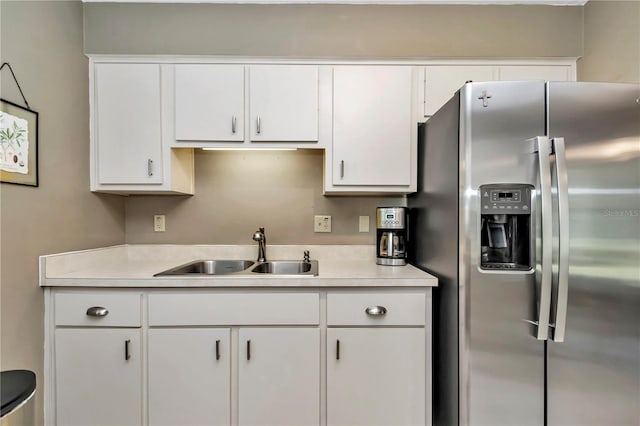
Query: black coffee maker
[[391, 236]]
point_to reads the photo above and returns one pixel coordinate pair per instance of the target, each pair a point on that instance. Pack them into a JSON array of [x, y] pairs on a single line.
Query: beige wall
[[237, 192], [282, 191], [43, 43], [611, 42], [346, 31]]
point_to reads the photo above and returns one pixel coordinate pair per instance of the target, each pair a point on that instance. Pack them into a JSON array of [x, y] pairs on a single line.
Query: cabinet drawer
[[351, 308], [122, 310], [234, 309]]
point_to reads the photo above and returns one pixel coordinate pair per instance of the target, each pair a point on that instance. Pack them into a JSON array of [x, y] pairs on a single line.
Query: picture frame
[[18, 144]]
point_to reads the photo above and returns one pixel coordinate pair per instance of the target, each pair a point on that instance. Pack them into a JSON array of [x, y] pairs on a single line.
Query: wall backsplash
[[238, 191]]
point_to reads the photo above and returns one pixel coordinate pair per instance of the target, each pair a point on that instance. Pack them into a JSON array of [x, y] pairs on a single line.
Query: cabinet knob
[[97, 311], [376, 311]]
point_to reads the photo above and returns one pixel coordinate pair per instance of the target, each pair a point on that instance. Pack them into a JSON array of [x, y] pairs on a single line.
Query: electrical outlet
[[363, 223], [158, 223], [322, 224]]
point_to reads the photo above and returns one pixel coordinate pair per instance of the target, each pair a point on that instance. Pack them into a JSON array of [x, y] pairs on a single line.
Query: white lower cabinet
[[376, 376], [279, 376], [189, 376], [249, 358], [98, 377]]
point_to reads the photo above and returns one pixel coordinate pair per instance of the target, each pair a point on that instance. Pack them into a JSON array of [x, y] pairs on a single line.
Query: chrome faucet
[[262, 244]]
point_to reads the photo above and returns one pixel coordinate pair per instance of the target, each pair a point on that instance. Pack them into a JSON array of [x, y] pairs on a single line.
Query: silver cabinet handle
[[127, 353], [150, 167], [563, 243], [258, 128], [376, 311], [341, 168], [233, 124], [97, 311], [543, 148]]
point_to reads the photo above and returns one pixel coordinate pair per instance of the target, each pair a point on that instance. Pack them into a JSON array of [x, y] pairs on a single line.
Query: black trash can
[[17, 388]]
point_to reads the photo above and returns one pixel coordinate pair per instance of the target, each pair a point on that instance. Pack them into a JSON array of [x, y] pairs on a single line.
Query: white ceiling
[[481, 2]]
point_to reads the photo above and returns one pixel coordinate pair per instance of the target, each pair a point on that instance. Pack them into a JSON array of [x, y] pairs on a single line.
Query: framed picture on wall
[[18, 144]]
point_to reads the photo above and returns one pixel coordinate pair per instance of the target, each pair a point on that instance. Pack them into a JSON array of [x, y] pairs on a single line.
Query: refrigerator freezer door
[[594, 375], [501, 361]]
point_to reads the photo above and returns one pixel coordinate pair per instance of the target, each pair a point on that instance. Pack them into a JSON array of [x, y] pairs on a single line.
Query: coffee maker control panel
[[391, 217], [502, 199]]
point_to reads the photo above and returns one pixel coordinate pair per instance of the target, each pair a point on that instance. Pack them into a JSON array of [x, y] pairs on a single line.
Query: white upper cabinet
[[127, 123], [130, 152], [535, 72], [209, 102], [283, 103], [373, 128], [443, 81]]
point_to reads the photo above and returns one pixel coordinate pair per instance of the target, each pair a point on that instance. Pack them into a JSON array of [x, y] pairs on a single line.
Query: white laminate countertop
[[135, 265]]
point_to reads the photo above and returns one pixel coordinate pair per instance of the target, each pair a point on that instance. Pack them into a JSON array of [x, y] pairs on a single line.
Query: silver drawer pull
[[376, 311], [97, 311]]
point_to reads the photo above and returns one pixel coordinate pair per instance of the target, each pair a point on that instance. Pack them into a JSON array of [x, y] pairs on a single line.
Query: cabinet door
[[372, 121], [95, 382], [128, 124], [377, 378], [535, 72], [283, 103], [442, 81], [189, 377], [279, 376], [209, 102]]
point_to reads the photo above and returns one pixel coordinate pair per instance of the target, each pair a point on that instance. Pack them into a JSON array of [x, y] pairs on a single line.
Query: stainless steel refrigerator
[[528, 212]]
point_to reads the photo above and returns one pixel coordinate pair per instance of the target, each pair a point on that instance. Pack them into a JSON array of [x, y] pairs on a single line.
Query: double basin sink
[[242, 267]]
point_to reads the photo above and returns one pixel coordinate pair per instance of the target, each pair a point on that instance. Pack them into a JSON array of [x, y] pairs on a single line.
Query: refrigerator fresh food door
[[501, 356], [594, 368]]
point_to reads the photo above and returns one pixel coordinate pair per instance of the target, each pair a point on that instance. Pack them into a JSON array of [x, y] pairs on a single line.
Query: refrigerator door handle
[[542, 147], [563, 252]]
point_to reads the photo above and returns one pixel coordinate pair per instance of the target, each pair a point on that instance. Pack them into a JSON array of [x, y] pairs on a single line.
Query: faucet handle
[[306, 256]]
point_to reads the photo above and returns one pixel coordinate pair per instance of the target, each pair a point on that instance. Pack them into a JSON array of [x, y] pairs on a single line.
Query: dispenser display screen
[[504, 196], [391, 216]]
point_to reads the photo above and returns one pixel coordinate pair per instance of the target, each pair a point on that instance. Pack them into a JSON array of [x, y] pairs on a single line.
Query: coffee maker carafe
[[391, 236]]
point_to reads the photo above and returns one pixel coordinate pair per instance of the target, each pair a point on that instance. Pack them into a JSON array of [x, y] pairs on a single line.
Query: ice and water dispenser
[[506, 227]]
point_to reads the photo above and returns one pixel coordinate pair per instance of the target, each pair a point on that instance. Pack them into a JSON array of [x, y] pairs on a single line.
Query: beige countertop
[[134, 266]]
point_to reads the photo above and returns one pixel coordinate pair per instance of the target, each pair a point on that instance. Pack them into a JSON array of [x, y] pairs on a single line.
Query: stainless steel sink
[[242, 267], [209, 267], [282, 267]]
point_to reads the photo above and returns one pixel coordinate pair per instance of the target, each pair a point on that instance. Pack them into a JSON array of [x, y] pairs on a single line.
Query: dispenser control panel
[[505, 199]]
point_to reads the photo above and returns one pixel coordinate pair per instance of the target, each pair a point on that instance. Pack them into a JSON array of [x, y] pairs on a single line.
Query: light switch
[[158, 223], [363, 224]]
